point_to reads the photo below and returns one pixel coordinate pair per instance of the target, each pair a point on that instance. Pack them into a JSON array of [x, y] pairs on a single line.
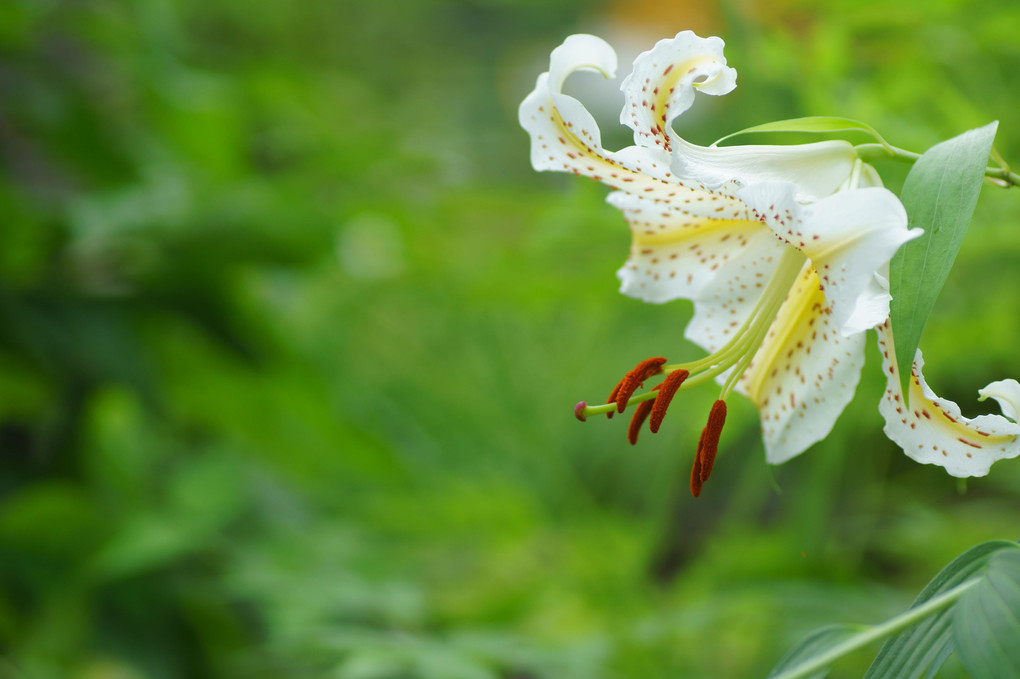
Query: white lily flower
[[931, 429], [781, 248]]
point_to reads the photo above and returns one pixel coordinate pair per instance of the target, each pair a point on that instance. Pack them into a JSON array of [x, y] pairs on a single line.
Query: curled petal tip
[[579, 411], [1007, 394]]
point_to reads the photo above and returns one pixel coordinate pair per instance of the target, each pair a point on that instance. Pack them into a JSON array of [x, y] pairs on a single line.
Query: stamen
[[667, 390], [709, 444], [635, 379], [579, 411], [640, 415]]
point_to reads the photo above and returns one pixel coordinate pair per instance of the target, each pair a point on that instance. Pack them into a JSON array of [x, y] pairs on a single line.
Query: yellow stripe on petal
[[667, 232], [795, 324], [651, 118], [674, 254], [664, 81]]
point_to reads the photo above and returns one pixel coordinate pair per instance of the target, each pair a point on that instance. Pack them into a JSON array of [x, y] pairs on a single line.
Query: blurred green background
[[290, 334]]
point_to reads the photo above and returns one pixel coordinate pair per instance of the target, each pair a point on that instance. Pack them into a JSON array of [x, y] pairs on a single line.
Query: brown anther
[[640, 415], [634, 379], [696, 481], [709, 444], [579, 411], [667, 389]]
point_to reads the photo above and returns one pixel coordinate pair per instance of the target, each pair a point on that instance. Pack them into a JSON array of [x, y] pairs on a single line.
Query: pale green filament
[[759, 336], [750, 334]]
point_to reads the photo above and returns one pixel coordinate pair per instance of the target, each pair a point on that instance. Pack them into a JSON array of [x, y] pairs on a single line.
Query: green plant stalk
[[1001, 176], [887, 628]]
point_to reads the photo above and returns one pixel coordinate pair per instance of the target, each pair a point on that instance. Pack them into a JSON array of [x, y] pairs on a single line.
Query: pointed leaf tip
[[939, 194], [812, 124]]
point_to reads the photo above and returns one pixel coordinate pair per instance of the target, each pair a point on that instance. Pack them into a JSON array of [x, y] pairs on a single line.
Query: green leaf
[[812, 124], [925, 631], [986, 621], [938, 661], [939, 194], [925, 645], [813, 645]]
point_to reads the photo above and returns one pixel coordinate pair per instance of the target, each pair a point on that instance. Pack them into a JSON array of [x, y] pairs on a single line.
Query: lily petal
[[933, 431], [849, 238], [676, 250], [874, 302], [662, 87], [566, 138], [804, 374], [1007, 394], [817, 170], [581, 52], [664, 81]]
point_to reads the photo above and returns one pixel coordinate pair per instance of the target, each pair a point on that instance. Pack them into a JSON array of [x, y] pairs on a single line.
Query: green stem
[[1001, 176], [887, 628], [872, 152]]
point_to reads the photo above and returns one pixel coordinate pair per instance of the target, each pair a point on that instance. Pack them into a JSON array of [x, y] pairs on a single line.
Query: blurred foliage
[[290, 333]]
